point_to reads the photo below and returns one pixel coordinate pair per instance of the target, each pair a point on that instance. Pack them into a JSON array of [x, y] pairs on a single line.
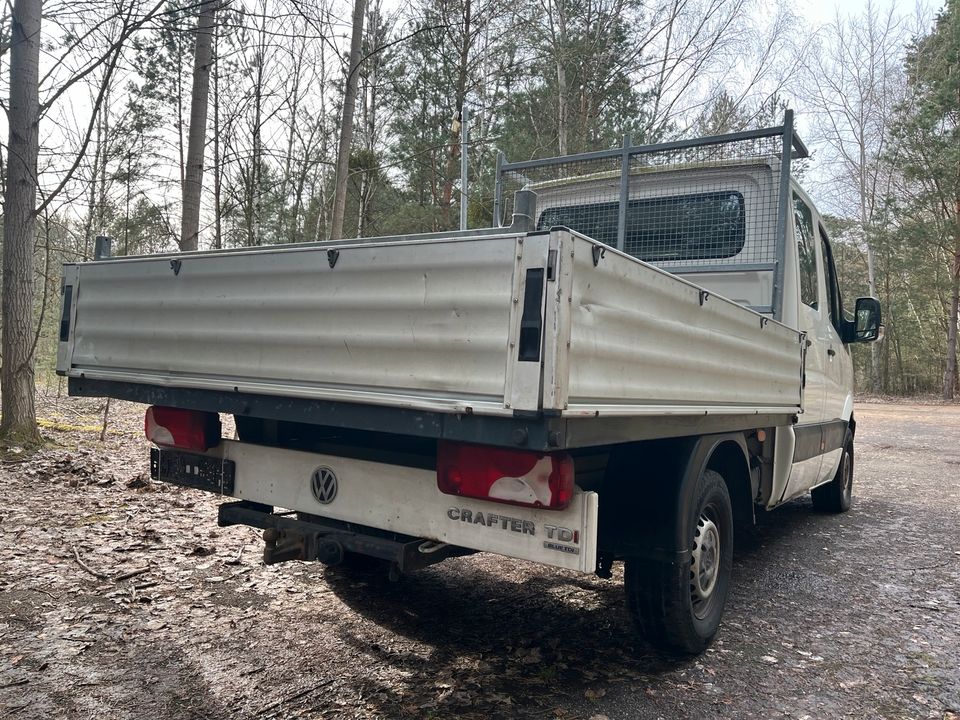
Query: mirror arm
[[848, 332]]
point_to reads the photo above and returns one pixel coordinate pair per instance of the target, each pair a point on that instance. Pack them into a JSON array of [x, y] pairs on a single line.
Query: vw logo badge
[[323, 483]]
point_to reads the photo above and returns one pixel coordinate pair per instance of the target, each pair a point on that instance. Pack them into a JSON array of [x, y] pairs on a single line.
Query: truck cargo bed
[[547, 325]]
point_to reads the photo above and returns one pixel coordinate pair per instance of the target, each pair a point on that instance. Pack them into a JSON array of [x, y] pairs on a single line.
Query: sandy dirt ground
[[121, 598]]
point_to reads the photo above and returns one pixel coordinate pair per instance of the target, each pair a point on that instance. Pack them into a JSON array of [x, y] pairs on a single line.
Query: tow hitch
[[327, 541], [282, 545]]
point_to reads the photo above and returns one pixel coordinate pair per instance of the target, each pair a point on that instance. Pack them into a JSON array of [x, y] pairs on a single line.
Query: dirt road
[[122, 599]]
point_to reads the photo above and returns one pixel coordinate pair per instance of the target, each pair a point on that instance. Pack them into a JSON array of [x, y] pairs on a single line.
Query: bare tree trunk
[[950, 374], [294, 100], [3, 170], [361, 197], [303, 170], [346, 122], [91, 203], [875, 381], [256, 168], [181, 151], [106, 420], [320, 179], [19, 423], [103, 142], [217, 160], [126, 207], [460, 97], [563, 93], [875, 375], [193, 180], [363, 92]]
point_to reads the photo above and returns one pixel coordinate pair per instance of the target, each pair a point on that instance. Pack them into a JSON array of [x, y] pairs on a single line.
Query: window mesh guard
[[715, 203]]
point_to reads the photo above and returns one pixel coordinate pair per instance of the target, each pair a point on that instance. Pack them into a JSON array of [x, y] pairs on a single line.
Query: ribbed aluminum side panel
[[416, 323], [642, 343]]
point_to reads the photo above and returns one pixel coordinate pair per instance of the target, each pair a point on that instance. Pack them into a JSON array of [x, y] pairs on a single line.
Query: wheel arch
[[847, 412], [732, 460], [670, 471]]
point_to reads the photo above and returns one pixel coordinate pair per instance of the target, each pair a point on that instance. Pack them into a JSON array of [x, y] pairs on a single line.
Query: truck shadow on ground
[[107, 676], [483, 634]]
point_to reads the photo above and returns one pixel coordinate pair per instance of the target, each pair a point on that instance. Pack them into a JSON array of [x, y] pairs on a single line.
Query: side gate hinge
[[598, 252]]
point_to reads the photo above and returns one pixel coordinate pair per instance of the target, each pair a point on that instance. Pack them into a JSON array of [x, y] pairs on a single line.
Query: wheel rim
[[705, 565], [847, 476]]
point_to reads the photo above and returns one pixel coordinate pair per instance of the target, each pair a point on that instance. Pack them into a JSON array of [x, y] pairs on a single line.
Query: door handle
[[831, 352]]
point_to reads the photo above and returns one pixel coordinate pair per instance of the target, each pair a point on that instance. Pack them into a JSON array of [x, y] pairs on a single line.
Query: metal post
[[101, 247], [464, 144], [624, 191], [524, 211], [498, 191], [783, 213]]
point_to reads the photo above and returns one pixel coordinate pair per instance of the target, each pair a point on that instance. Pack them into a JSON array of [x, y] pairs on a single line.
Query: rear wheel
[[678, 607], [837, 495]]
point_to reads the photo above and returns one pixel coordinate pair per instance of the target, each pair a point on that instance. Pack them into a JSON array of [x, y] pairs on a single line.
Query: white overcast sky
[[821, 12], [817, 12]]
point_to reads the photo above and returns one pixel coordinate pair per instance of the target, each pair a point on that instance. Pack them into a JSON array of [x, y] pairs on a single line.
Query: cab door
[[838, 400], [807, 459]]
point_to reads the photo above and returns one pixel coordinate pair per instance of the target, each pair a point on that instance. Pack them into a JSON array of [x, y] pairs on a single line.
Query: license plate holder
[[192, 470]]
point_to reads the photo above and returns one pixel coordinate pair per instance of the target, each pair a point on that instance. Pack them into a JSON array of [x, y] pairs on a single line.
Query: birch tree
[[855, 81]]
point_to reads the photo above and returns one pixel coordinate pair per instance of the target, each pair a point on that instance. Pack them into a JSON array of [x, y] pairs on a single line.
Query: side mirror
[[866, 324]]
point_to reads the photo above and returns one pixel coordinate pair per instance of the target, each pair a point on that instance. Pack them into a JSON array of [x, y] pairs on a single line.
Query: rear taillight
[[184, 429], [517, 477]]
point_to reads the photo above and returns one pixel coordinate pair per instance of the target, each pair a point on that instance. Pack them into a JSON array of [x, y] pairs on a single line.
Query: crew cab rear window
[[806, 252], [702, 226]]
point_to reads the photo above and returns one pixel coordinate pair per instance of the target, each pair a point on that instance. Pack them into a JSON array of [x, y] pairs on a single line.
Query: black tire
[[673, 610], [837, 495]]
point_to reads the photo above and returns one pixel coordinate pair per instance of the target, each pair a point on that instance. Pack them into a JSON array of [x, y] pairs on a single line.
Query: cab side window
[[833, 285], [806, 252]]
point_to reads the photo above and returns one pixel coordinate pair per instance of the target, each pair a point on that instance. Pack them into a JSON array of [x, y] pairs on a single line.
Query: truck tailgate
[[422, 324]]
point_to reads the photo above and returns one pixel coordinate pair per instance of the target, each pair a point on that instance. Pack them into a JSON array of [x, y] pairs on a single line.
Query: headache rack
[[620, 197]]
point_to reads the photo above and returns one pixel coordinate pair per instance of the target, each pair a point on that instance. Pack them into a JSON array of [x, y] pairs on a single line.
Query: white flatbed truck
[[623, 373]]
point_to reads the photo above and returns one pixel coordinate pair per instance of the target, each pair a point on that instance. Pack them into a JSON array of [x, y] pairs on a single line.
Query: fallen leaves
[[181, 617]]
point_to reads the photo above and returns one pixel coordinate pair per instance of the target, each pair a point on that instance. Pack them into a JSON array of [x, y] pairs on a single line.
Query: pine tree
[[929, 142]]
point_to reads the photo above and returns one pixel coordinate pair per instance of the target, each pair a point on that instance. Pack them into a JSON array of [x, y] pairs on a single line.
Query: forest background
[[171, 125]]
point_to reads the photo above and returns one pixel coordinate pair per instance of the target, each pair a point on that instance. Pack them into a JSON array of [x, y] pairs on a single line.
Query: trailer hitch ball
[[280, 546], [271, 536], [329, 552]]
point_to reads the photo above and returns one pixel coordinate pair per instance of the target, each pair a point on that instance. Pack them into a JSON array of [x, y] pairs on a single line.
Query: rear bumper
[[402, 500]]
